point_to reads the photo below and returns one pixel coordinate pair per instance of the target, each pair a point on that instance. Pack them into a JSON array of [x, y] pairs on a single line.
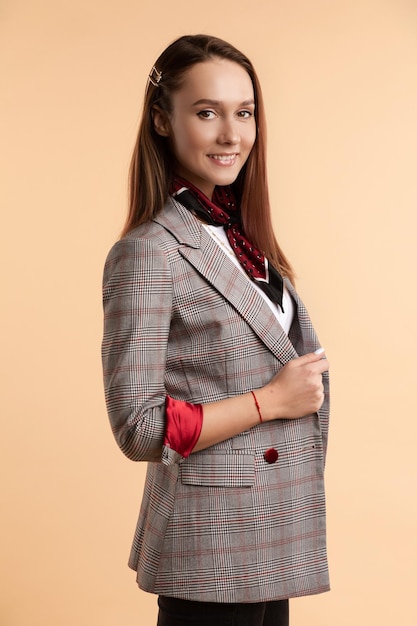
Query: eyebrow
[[245, 103]]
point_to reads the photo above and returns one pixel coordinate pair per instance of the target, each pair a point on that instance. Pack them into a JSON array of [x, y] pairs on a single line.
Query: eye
[[206, 114], [245, 114]]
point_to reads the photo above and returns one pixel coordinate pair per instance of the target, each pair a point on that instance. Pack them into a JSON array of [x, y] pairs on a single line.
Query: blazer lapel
[[302, 334], [199, 248]]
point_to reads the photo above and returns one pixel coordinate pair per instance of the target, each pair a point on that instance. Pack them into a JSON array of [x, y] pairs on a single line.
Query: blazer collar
[[199, 248], [182, 224]]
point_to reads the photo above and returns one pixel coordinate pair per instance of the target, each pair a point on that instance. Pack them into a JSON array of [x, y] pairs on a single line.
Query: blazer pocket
[[218, 470]]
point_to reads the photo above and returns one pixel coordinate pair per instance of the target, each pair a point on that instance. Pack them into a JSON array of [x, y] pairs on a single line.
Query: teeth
[[223, 157]]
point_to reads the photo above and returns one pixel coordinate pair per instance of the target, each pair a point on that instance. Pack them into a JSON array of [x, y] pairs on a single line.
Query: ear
[[160, 122]]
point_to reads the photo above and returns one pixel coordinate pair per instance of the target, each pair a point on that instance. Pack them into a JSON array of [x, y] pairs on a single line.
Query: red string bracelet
[[257, 406]]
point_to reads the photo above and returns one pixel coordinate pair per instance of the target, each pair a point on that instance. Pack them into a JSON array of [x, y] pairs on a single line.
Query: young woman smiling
[[213, 373]]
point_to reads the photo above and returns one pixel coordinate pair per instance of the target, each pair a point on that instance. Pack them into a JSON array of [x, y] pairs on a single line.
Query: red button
[[271, 455]]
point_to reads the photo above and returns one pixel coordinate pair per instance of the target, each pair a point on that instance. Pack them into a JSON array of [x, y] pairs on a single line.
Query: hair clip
[[155, 76]]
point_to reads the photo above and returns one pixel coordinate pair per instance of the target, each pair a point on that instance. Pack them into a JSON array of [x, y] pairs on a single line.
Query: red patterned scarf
[[223, 211]]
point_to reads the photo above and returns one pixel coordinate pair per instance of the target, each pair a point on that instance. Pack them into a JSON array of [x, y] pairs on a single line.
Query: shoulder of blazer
[[197, 246], [174, 219], [182, 224]]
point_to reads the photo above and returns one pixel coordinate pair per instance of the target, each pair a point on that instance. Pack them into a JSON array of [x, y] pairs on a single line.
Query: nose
[[229, 133]]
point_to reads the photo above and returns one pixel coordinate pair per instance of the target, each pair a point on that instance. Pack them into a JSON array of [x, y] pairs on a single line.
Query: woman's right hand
[[296, 390]]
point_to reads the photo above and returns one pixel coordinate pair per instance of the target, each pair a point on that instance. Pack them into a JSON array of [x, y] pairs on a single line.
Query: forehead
[[218, 79]]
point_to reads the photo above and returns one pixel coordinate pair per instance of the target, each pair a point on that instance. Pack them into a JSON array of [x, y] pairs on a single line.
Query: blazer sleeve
[[137, 301]]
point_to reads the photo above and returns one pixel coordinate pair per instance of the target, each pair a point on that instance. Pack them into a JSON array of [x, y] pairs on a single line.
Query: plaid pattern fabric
[[222, 525]]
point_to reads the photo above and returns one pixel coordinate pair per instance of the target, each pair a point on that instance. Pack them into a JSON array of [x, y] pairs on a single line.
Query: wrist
[[268, 404], [258, 408]]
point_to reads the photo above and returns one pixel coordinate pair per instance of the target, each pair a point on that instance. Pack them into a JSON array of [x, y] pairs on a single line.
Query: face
[[212, 126]]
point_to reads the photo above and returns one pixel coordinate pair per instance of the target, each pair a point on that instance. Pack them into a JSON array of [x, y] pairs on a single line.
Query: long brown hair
[[152, 162]]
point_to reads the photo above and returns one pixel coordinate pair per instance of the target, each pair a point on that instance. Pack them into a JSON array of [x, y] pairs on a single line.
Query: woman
[[213, 373]]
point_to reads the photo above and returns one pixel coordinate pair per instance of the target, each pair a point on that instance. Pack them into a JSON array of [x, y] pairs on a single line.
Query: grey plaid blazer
[[222, 525]]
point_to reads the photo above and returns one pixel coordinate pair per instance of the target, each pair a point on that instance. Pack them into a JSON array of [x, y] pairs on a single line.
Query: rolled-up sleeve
[[137, 301], [183, 427]]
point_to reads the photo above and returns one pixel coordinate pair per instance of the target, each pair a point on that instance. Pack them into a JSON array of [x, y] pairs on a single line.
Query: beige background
[[340, 82]]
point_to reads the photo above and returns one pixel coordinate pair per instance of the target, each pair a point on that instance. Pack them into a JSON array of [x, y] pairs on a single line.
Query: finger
[[311, 357], [324, 363], [320, 366]]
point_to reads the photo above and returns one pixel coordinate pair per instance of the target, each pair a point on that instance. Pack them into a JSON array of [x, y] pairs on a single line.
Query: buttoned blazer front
[[223, 525]]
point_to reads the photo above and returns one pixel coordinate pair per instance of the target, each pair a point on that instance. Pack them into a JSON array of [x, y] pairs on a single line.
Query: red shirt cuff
[[183, 425]]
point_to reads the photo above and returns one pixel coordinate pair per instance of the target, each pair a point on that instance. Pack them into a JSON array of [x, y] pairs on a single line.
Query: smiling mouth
[[223, 158]]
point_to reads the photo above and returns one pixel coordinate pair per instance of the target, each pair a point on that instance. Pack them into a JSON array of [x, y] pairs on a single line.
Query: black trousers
[[174, 612]]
